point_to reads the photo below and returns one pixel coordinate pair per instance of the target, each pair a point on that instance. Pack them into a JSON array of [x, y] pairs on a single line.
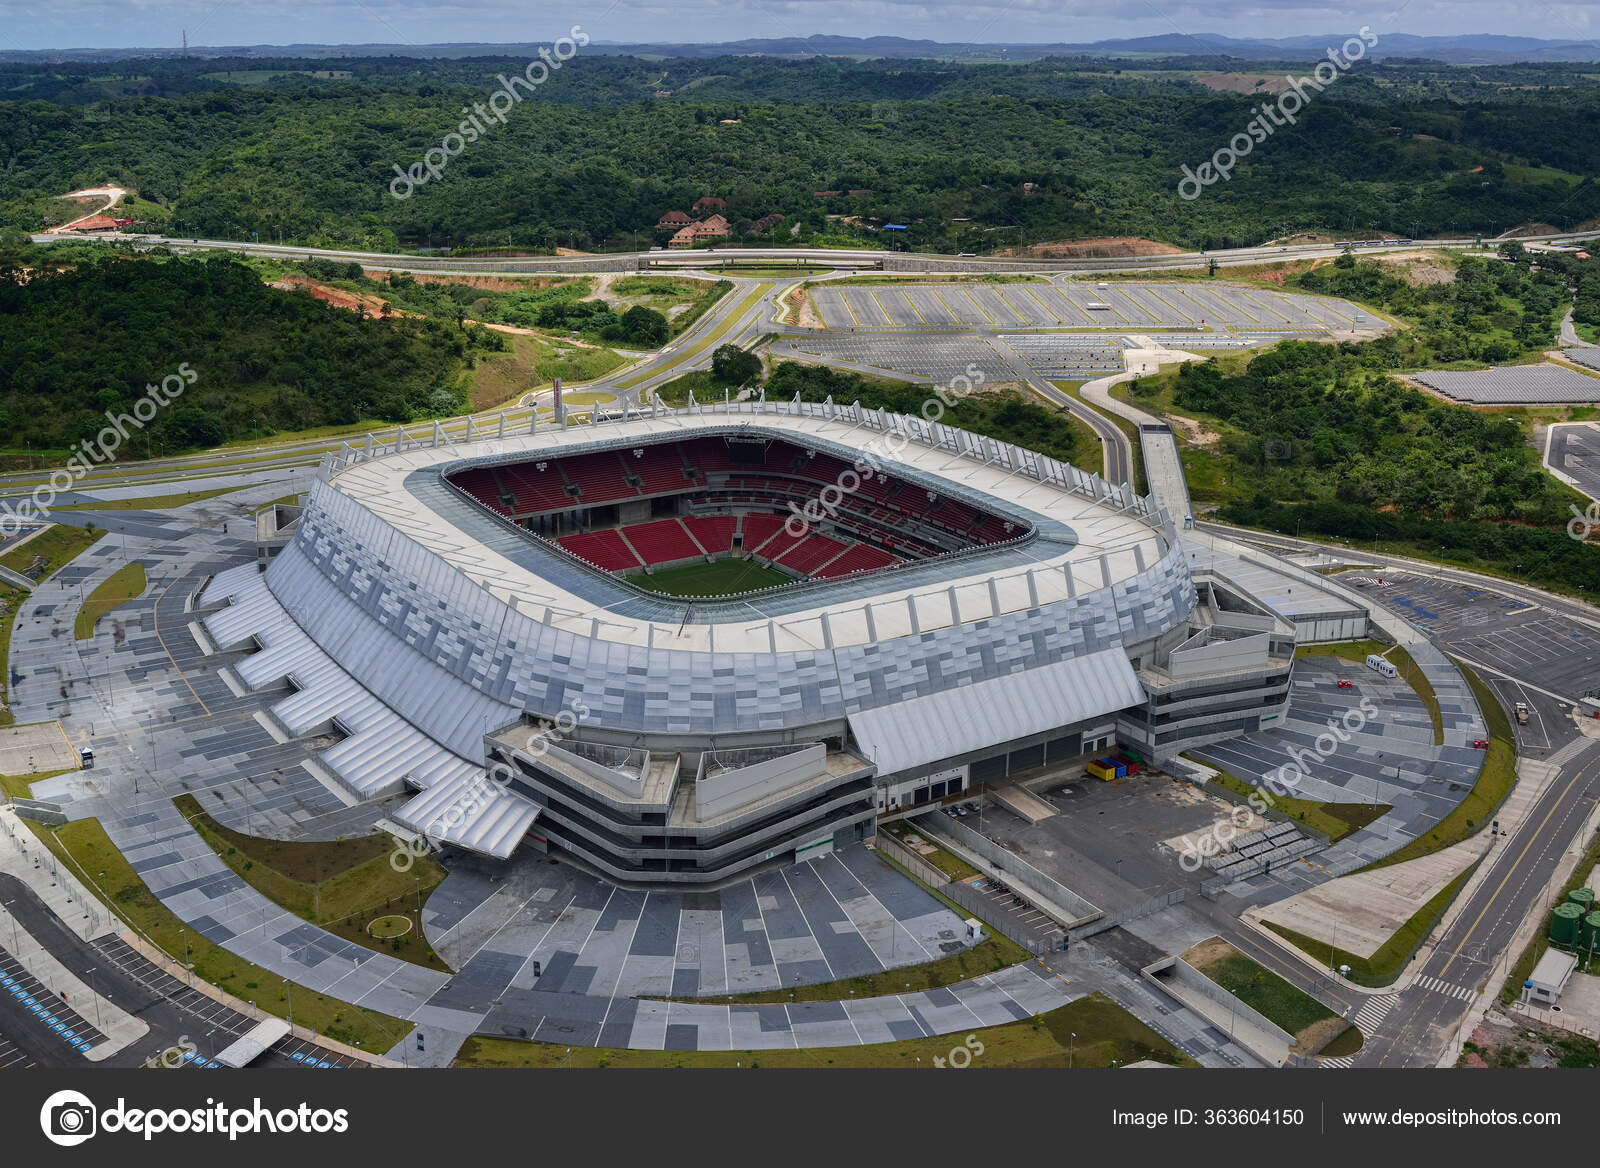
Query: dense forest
[[969, 157], [79, 342]]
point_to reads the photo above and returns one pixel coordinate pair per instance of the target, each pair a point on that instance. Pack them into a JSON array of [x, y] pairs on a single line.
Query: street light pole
[[95, 994]]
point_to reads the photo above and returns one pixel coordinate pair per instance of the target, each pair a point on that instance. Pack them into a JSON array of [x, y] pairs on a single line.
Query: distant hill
[[1466, 49]]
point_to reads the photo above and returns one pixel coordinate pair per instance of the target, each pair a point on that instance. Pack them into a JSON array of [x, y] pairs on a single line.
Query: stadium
[[676, 647]]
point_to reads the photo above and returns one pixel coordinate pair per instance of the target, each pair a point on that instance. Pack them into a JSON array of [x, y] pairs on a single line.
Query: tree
[[644, 326], [734, 366]]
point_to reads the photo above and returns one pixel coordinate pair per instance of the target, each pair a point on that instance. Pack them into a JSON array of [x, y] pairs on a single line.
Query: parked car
[[1347, 685], [1480, 744]]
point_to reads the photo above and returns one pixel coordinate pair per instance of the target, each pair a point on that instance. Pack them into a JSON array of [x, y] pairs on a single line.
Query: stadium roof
[[1097, 535], [956, 721]]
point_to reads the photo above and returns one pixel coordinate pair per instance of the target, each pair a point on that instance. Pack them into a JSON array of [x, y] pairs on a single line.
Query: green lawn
[[951, 865], [54, 546], [718, 578], [1258, 987], [85, 848], [20, 786], [1494, 783], [1334, 820], [125, 584], [1390, 959], [1106, 1035], [342, 885], [1358, 652]]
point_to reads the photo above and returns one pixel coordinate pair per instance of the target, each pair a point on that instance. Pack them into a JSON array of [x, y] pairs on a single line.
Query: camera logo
[[68, 1118], [1277, 450]]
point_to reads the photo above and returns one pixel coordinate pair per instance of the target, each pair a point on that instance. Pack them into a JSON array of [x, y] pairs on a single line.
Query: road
[[901, 261]]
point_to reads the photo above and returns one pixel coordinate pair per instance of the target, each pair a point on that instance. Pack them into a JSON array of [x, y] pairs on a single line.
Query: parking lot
[[1527, 642], [13, 1057], [1117, 306], [215, 1025], [934, 357], [44, 1017]]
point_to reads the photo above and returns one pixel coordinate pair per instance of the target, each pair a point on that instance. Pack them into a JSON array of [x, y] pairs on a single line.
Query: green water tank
[[1583, 898], [1565, 925], [1589, 934]]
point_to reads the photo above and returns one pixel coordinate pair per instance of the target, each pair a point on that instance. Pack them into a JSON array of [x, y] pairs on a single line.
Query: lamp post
[[95, 994]]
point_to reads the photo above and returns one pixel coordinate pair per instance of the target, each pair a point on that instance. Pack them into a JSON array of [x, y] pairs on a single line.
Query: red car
[[1480, 744], [1347, 685]]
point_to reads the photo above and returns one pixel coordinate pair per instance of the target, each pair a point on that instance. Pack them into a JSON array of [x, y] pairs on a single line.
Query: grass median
[[1494, 783], [1090, 1032], [127, 583], [1286, 1006], [994, 953], [1390, 958], [86, 849]]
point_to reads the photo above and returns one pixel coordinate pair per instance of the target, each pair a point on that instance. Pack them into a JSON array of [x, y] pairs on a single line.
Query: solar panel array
[[1588, 357], [1515, 385]]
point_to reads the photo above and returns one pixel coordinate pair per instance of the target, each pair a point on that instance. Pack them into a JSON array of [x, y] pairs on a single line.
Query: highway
[[891, 260]]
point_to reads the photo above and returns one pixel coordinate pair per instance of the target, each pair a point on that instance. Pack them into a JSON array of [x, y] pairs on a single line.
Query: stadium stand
[[603, 549]]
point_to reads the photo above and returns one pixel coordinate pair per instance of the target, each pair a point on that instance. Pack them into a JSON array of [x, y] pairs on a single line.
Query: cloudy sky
[[158, 23]]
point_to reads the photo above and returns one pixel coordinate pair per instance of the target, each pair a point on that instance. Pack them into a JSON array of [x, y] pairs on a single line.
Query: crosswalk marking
[[1368, 1017], [1443, 987], [1339, 1064]]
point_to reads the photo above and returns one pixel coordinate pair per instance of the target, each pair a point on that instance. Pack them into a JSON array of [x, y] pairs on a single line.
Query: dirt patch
[[1420, 268], [1109, 248], [1208, 952], [1243, 82], [1194, 432], [338, 297], [799, 310]]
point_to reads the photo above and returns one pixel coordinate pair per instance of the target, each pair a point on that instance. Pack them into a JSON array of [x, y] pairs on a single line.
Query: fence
[[1078, 909], [910, 861], [1037, 941], [1145, 908]]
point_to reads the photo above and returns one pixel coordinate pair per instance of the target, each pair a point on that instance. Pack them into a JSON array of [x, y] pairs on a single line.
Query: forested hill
[[76, 343], [594, 159]]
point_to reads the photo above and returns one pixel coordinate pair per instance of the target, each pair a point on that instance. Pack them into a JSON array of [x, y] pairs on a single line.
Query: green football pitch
[[718, 578]]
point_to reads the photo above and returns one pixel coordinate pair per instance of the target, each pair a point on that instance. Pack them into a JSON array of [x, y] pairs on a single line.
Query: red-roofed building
[[825, 194], [709, 203], [673, 219], [766, 222]]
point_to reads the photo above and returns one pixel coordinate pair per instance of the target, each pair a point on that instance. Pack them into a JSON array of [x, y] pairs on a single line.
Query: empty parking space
[[13, 1057]]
